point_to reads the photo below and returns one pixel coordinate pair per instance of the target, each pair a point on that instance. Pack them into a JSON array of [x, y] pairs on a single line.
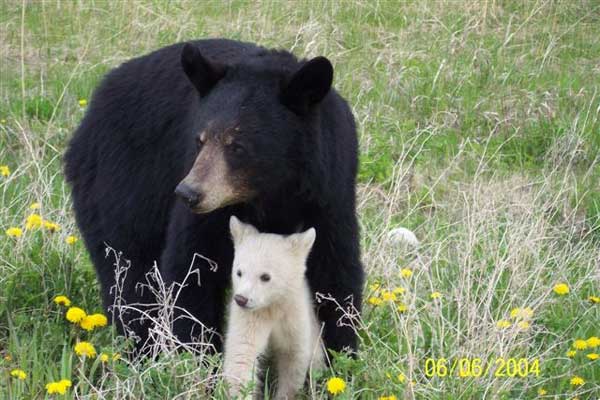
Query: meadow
[[479, 127]]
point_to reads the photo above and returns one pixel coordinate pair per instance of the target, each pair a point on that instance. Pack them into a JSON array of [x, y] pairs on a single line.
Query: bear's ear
[[239, 230], [303, 242], [203, 73], [309, 85]]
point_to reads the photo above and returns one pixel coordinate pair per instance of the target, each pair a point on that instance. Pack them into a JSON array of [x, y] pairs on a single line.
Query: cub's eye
[[239, 273], [237, 149], [265, 277], [199, 143]]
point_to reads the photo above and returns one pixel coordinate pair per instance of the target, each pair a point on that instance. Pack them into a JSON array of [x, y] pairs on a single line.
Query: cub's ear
[[203, 73], [303, 242], [309, 85], [239, 230]]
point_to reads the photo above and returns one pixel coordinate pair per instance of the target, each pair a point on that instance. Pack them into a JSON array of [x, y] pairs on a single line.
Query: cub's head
[[251, 122], [266, 267]]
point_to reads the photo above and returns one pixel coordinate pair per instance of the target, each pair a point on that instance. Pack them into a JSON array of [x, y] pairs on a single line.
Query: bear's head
[[267, 268], [252, 123]]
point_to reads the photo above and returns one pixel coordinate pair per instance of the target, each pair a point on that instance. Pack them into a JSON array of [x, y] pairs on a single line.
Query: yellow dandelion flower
[[71, 239], [93, 321], [593, 342], [336, 385], [392, 397], [62, 300], [4, 170], [594, 299], [59, 387], [386, 295], [503, 324], [33, 221], [375, 301], [542, 392], [402, 308], [104, 357], [373, 287], [571, 353], [82, 102], [401, 377], [51, 226], [406, 272], [523, 325], [399, 291], [18, 374], [521, 313], [35, 206], [435, 295], [592, 356], [75, 315], [85, 349], [14, 232], [561, 289], [580, 344], [577, 381]]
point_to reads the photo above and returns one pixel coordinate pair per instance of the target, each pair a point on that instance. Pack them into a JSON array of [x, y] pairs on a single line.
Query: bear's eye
[[265, 277], [237, 149], [199, 142], [239, 272]]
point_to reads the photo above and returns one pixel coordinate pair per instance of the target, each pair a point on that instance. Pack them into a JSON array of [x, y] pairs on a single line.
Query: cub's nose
[[240, 300], [187, 194]]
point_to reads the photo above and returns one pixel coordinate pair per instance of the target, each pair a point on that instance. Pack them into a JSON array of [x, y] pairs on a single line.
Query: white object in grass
[[403, 235]]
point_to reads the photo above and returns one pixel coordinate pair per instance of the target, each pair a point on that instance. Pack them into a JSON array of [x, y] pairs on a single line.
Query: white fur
[[279, 314]]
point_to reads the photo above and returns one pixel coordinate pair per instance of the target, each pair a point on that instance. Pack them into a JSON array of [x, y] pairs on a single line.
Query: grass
[[480, 131]]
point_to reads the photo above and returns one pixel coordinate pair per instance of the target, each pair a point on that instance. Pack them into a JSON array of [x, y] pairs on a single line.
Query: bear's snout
[[240, 300], [188, 195]]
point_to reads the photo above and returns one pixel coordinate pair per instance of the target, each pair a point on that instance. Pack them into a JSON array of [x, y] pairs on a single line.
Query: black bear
[[232, 129]]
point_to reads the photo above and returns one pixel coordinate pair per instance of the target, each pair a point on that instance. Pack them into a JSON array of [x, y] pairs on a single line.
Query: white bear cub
[[271, 308]]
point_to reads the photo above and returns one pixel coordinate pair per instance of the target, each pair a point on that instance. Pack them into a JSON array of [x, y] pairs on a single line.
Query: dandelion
[[399, 291], [71, 239], [82, 102], [75, 315], [401, 377], [62, 300], [435, 295], [85, 349], [59, 387], [35, 206], [521, 313], [375, 301], [4, 170], [593, 342], [90, 322], [392, 397], [561, 289], [580, 344], [104, 357], [592, 356], [33, 221], [577, 381], [386, 295], [571, 353], [18, 374], [594, 299], [406, 273], [523, 325], [336, 385], [51, 226], [503, 324], [542, 392], [402, 308], [14, 232]]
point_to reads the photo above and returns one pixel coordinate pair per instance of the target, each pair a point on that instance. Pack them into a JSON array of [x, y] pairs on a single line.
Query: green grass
[[480, 131]]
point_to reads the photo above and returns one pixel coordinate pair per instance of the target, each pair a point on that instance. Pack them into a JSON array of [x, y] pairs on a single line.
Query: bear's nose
[[187, 194], [240, 300]]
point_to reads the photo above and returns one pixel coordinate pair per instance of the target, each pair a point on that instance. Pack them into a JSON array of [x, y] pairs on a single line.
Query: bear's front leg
[[247, 338]]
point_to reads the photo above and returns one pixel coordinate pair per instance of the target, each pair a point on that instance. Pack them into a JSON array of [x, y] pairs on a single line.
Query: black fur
[[137, 142]]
